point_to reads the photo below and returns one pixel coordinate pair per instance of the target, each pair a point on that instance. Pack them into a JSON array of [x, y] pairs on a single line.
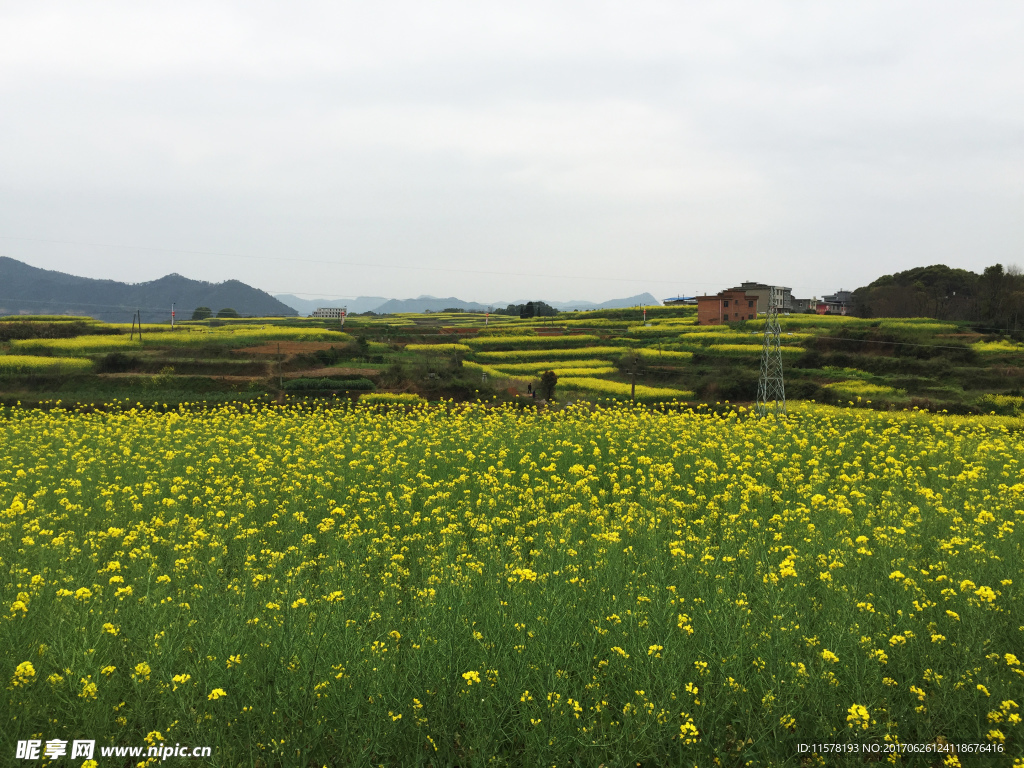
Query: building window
[[726, 303], [726, 316], [750, 303], [750, 317]]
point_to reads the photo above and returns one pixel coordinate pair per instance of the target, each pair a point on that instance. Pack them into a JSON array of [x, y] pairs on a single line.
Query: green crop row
[[619, 389], [534, 354], [437, 348], [531, 342], [861, 388], [81, 345], [541, 366], [742, 350], [391, 398], [33, 364]]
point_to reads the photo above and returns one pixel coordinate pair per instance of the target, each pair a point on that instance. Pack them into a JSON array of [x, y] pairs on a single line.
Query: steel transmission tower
[[771, 390]]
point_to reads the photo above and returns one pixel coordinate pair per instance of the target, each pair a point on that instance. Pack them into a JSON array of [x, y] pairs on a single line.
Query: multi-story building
[[777, 295], [838, 303], [730, 306], [329, 312]]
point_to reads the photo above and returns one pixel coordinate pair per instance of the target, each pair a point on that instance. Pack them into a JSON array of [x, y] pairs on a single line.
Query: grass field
[[442, 585]]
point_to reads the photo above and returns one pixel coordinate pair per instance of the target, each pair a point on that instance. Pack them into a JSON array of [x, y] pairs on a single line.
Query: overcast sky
[[496, 151]]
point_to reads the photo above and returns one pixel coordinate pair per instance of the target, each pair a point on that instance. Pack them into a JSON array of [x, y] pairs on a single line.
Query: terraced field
[[614, 354]]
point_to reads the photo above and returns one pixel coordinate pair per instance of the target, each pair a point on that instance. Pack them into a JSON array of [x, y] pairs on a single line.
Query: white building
[[330, 312], [777, 295]]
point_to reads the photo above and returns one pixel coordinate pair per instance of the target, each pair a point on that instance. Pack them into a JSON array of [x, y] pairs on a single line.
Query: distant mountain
[[642, 298], [28, 289], [308, 306], [429, 304], [433, 304]]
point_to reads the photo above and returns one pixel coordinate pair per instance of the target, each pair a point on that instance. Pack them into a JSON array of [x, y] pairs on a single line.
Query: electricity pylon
[[771, 390]]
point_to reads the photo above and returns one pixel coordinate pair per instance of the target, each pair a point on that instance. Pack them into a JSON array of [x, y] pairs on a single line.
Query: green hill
[[28, 289]]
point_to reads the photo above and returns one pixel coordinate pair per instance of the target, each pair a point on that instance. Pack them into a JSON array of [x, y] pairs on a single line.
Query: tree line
[[994, 298], [529, 309]]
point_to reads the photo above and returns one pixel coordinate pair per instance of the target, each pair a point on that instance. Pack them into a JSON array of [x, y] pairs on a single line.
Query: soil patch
[[322, 373]]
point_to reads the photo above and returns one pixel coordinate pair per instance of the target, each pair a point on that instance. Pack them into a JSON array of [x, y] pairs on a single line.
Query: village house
[[726, 307]]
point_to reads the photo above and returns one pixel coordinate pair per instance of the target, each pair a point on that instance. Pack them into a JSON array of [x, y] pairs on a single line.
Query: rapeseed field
[[37, 364], [466, 585]]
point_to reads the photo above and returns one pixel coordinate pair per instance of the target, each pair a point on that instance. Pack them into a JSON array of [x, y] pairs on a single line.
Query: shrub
[[548, 380], [117, 362], [327, 385], [201, 313], [228, 312]]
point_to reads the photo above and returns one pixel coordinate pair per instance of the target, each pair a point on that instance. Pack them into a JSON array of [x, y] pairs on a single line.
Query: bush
[[117, 362], [228, 312], [803, 389], [201, 313], [548, 380], [328, 385]]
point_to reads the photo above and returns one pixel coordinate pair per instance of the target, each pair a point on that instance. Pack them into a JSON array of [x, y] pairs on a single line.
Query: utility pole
[[137, 317], [343, 311], [632, 377], [172, 315], [771, 389]]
